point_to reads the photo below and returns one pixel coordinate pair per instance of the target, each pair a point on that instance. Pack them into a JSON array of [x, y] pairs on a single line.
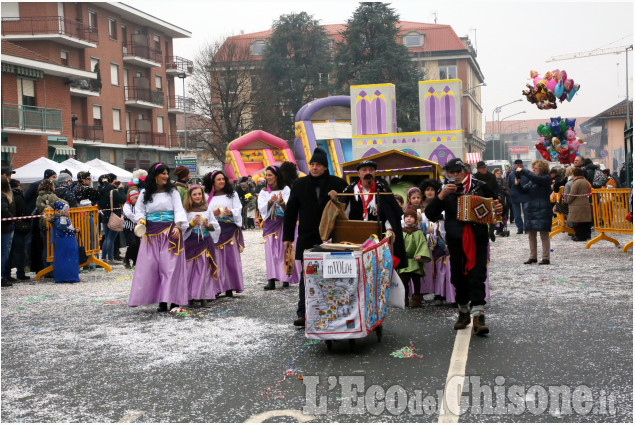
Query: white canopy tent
[[122, 175], [34, 171], [76, 166]]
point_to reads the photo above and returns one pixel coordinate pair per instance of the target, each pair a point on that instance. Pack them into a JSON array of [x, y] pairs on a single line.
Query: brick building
[[436, 49], [89, 80]]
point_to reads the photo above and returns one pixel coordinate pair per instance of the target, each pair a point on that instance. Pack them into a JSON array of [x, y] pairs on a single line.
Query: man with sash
[[466, 241]]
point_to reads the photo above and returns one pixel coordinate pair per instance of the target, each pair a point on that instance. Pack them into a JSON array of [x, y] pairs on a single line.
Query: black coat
[[8, 211], [389, 210], [537, 209], [489, 179], [304, 203], [118, 199], [21, 226], [454, 227], [30, 196]]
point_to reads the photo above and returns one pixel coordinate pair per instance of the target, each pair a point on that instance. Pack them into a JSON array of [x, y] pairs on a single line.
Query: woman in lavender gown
[[160, 270]]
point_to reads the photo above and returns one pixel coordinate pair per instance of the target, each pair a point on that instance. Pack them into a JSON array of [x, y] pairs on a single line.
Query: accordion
[[475, 209]]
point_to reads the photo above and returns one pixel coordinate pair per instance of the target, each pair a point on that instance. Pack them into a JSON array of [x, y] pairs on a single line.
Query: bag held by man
[[115, 222]]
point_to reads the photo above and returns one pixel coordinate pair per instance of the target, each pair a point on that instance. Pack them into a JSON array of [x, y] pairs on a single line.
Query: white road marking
[[131, 416], [296, 414], [456, 376]]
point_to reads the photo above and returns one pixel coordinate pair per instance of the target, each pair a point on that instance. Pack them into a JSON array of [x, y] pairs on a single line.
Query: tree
[[370, 54], [221, 92], [296, 54]]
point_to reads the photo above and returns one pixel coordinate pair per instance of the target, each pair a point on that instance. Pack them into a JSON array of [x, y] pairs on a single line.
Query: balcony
[[175, 65], [89, 134], [84, 88], [32, 120], [176, 104], [147, 138], [55, 28], [142, 55], [143, 97]]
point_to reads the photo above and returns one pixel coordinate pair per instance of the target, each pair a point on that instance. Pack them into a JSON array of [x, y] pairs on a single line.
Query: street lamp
[[472, 88], [497, 110], [182, 76], [500, 129]]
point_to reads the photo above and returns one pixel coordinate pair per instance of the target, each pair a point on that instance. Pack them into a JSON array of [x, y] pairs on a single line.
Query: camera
[[450, 180]]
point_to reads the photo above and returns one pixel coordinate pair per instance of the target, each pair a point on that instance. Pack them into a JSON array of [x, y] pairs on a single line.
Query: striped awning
[[64, 150], [8, 149], [472, 157]]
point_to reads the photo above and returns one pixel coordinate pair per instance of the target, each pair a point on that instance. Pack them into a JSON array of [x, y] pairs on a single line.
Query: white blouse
[[232, 203], [162, 202], [263, 200], [209, 214]]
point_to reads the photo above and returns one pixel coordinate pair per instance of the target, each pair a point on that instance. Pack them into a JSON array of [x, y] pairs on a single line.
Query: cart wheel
[[380, 333], [329, 345]]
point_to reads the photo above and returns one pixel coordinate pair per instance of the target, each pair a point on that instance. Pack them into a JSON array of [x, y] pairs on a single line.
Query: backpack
[[599, 179]]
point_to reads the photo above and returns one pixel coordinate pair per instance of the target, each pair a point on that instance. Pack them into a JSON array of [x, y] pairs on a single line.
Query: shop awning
[[472, 157], [64, 150], [8, 149]]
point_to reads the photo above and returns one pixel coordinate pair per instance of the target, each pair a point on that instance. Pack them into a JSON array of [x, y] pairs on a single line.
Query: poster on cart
[[339, 307], [377, 262]]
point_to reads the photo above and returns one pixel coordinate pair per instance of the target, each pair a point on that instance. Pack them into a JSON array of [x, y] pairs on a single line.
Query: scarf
[[366, 200], [410, 229], [469, 243], [202, 207]]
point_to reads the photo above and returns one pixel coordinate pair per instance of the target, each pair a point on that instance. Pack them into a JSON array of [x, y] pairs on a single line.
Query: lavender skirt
[[200, 268], [160, 274], [227, 256], [274, 252]]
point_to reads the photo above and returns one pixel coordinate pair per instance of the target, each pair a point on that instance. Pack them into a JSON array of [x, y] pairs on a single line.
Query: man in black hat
[[517, 197], [467, 243], [308, 198], [364, 207]]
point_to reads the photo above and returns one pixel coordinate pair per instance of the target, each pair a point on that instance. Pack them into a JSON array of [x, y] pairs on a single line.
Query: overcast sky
[[511, 37]]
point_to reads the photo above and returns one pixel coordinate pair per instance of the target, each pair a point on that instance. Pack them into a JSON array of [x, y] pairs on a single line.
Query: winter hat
[[181, 172], [138, 173], [319, 156], [48, 173], [132, 194], [63, 178], [60, 207], [410, 212]]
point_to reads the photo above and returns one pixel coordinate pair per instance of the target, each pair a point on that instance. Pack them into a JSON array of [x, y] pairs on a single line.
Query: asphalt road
[[77, 353]]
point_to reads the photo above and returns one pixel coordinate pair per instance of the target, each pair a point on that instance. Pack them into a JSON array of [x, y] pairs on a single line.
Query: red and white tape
[[42, 215]]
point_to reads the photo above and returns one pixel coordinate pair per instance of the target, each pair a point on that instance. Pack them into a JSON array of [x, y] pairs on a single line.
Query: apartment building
[[436, 49], [89, 80]]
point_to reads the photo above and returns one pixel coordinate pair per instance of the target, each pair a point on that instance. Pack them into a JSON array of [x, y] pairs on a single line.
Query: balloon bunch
[[558, 141], [554, 85]]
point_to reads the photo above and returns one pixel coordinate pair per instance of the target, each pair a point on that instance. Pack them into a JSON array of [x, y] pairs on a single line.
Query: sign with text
[[338, 266], [517, 150], [188, 161]]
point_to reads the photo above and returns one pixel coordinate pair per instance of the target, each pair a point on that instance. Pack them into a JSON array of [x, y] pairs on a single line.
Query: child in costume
[[66, 252], [202, 233], [132, 241], [418, 254]]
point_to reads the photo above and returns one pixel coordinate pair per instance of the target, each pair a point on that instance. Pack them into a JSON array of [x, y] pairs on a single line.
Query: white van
[[503, 164]]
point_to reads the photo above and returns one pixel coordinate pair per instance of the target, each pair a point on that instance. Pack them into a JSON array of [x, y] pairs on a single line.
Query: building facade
[[89, 80], [437, 51]]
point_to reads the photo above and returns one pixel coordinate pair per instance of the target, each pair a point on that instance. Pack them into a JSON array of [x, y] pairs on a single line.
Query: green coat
[[416, 245]]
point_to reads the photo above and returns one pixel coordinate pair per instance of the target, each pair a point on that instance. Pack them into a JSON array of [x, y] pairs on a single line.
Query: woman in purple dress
[[160, 270], [272, 202], [225, 204]]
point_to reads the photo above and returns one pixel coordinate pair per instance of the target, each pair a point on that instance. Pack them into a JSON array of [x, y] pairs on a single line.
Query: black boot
[[173, 305], [285, 284], [163, 307], [229, 293], [126, 263], [271, 284]]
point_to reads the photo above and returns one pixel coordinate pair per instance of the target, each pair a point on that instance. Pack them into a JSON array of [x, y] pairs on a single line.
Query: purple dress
[[200, 266], [230, 243]]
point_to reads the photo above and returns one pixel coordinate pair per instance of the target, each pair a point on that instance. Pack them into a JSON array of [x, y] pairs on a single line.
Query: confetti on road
[[405, 352]]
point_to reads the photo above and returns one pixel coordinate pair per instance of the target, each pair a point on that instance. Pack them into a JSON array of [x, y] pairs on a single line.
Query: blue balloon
[[572, 92], [559, 89]]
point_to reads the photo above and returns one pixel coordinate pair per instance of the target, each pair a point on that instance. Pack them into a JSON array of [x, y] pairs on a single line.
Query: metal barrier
[[559, 224], [88, 237], [610, 207]]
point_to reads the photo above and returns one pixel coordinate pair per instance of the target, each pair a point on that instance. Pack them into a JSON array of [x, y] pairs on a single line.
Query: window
[[97, 115], [116, 119], [413, 39], [112, 28], [447, 69], [64, 57], [124, 34], [139, 74], [10, 10], [258, 47], [26, 92], [157, 42], [159, 124], [114, 74], [158, 82], [92, 19]]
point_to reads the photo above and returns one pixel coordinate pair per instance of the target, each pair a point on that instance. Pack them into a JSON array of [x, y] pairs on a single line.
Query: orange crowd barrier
[[81, 219], [610, 207], [559, 223]]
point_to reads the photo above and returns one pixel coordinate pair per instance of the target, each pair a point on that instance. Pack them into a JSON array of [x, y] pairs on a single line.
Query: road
[[78, 353]]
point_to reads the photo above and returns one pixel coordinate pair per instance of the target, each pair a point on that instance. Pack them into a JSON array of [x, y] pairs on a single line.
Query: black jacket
[[454, 227], [118, 199], [8, 211], [489, 179], [537, 209], [389, 210], [30, 196], [65, 192], [21, 226], [305, 204]]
